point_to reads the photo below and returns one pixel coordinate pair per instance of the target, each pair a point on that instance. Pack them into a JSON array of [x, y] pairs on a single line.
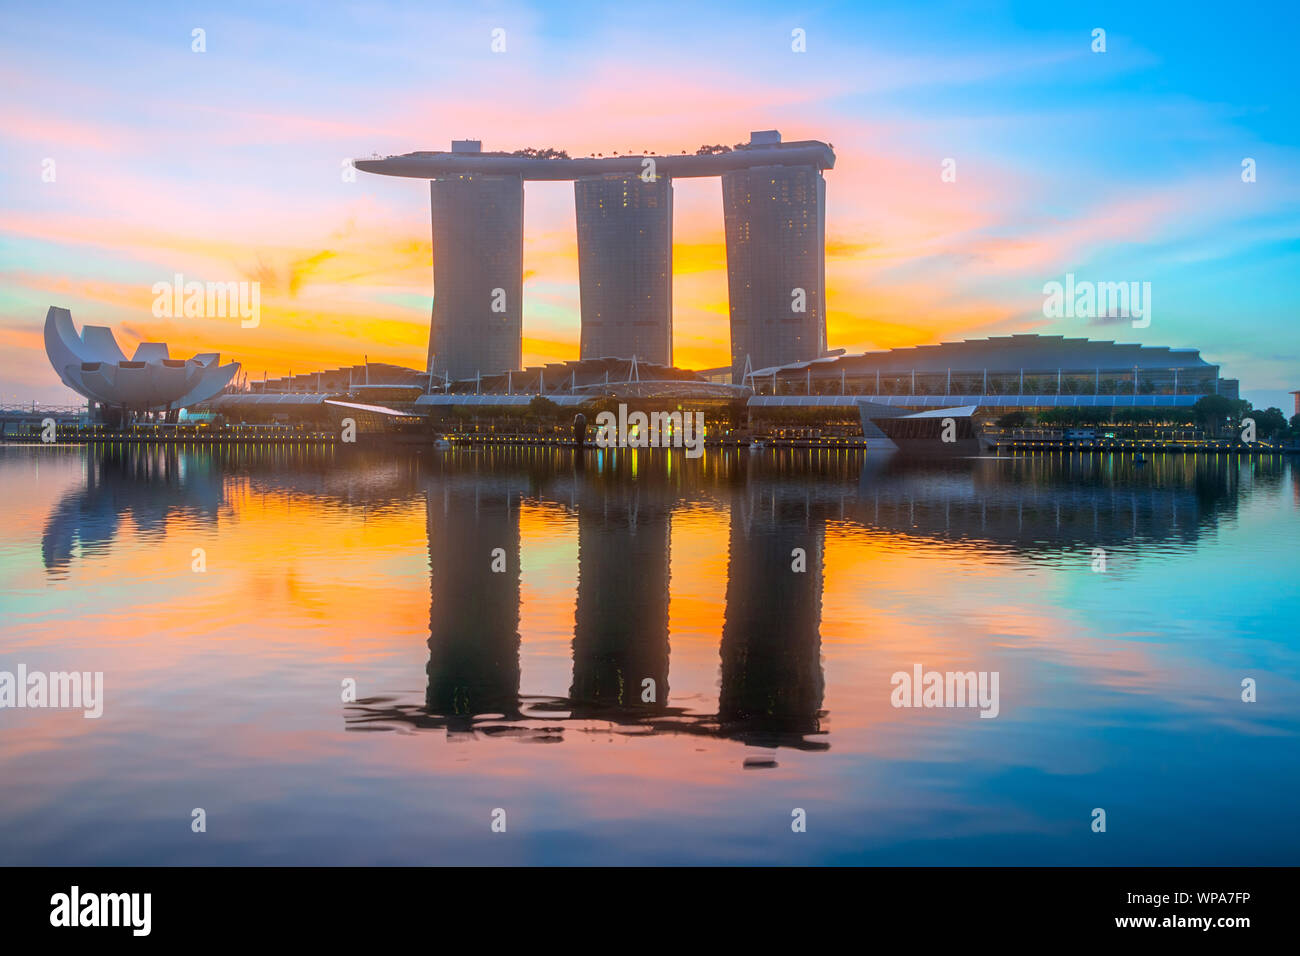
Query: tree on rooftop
[[543, 408], [1213, 411]]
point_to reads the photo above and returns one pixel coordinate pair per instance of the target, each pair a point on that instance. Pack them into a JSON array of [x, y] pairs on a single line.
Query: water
[[523, 689]]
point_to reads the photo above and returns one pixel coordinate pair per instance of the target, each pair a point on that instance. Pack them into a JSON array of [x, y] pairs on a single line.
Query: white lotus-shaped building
[[92, 364]]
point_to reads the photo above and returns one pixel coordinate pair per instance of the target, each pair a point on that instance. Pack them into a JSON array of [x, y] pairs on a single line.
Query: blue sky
[[1116, 166]]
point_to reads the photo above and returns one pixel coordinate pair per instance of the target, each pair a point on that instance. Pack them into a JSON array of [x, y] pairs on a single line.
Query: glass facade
[[775, 219], [478, 285], [625, 266]]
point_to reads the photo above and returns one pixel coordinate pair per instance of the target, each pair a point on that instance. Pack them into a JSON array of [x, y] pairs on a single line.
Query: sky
[[126, 158]]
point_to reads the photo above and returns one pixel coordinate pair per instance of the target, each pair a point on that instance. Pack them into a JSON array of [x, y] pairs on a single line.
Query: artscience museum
[[92, 364]]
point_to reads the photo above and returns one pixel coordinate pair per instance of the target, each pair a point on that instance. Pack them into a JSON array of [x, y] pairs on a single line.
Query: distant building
[[91, 363], [351, 379], [478, 274], [625, 266], [775, 219], [1006, 371], [774, 208], [579, 381]]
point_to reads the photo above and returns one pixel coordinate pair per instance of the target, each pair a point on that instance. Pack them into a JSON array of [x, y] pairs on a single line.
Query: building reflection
[[157, 485], [621, 506], [620, 634], [778, 507], [770, 536], [772, 681], [1039, 506], [771, 673], [473, 530], [153, 485]]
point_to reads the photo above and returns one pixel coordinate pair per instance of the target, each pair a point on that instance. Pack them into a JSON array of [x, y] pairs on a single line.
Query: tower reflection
[[771, 684], [620, 634], [473, 665]]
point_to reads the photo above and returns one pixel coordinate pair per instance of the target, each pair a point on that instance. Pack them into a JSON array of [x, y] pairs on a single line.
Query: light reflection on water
[[771, 689]]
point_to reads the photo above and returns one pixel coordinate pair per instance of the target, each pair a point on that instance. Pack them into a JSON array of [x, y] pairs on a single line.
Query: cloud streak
[[230, 164]]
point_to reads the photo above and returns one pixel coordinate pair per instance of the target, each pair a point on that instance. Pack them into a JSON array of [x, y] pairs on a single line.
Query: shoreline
[[995, 447]]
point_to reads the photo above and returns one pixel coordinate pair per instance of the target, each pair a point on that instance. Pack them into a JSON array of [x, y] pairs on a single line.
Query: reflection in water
[[150, 485], [474, 610], [1038, 505], [771, 682], [620, 637], [155, 485], [771, 641], [764, 598]]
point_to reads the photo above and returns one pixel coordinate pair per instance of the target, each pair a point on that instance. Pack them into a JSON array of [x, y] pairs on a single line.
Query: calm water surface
[[523, 689]]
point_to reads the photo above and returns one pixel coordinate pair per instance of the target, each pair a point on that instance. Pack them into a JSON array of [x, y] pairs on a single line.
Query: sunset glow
[[229, 165]]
